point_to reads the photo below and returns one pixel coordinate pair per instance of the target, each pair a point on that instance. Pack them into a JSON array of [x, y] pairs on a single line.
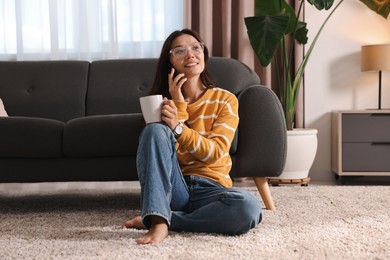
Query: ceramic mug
[[151, 108]]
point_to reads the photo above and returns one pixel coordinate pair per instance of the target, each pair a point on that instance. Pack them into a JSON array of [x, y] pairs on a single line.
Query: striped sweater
[[210, 124]]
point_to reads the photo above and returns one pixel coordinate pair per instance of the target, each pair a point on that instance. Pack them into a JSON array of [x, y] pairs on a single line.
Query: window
[[86, 29]]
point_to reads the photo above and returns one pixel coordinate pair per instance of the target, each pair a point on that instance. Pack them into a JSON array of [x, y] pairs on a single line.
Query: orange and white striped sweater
[[203, 147]]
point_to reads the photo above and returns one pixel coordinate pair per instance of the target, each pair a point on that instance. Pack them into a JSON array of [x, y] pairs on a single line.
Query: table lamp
[[376, 58]]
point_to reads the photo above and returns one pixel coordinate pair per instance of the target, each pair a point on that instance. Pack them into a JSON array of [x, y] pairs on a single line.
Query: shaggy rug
[[314, 222]]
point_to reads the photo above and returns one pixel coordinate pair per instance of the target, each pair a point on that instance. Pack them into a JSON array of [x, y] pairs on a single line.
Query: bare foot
[[157, 233], [135, 222]]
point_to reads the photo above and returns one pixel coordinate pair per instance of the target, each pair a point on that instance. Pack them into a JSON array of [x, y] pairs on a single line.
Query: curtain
[[86, 29], [221, 25]]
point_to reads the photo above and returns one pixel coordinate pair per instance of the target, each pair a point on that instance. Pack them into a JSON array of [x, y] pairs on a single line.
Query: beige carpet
[[315, 222]]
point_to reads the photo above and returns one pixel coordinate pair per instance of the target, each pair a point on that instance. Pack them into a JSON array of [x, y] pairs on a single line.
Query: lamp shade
[[375, 57]]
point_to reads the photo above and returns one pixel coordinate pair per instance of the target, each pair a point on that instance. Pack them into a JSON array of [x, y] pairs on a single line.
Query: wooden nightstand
[[361, 143]]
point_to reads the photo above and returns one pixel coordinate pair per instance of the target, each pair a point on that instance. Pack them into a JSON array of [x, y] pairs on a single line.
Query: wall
[[333, 80]]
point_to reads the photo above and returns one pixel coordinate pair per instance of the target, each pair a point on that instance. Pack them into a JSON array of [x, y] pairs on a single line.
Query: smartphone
[[174, 73]]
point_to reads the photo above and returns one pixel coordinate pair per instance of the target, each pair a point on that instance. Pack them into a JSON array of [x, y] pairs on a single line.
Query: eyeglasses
[[181, 51]]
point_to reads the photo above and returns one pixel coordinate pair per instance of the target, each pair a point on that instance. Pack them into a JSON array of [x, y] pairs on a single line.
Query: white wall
[[333, 80]]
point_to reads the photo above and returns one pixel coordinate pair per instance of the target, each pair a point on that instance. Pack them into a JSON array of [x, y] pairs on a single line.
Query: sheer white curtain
[[86, 29]]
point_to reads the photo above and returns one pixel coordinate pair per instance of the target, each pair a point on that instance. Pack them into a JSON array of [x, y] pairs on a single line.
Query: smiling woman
[[69, 29]]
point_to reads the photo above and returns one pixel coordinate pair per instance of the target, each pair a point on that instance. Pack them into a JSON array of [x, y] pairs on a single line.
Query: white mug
[[151, 108]]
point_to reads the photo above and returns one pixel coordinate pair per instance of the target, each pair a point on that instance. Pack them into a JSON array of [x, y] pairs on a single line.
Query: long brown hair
[[160, 84]]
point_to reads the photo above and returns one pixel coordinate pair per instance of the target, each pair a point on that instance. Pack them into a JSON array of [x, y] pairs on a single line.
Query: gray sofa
[[80, 120]]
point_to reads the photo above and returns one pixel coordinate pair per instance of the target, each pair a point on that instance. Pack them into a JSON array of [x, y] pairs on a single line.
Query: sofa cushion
[[115, 86], [45, 89], [2, 109], [103, 136], [30, 137]]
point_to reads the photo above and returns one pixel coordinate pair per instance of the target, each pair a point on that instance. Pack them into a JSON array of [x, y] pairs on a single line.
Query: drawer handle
[[380, 143], [381, 114]]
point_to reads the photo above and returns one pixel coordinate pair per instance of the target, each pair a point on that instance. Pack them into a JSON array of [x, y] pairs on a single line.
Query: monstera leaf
[[381, 7]]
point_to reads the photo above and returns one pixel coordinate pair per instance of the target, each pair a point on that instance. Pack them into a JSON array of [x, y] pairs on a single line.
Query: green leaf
[[381, 7], [292, 22], [321, 4], [265, 34], [281, 7], [301, 33], [267, 7], [277, 7]]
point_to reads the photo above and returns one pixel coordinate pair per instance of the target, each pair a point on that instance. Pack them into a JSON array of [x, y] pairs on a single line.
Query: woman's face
[[187, 55]]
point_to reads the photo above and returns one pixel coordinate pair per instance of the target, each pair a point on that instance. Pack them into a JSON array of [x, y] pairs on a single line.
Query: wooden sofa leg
[[265, 193]]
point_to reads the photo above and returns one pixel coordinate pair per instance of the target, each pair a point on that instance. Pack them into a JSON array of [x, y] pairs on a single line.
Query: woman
[[183, 163]]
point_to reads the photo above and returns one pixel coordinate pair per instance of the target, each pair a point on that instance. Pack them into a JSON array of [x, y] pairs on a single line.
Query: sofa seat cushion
[[29, 137], [102, 136]]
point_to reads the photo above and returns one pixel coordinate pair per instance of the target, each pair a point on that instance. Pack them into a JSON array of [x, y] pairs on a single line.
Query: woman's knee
[[249, 208], [253, 204]]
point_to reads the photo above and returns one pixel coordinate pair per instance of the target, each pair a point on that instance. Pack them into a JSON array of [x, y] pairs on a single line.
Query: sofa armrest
[[262, 135]]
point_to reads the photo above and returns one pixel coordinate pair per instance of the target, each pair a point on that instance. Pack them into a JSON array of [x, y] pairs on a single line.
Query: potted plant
[[273, 32]]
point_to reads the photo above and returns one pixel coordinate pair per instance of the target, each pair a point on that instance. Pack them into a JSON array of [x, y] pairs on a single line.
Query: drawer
[[366, 157], [366, 127]]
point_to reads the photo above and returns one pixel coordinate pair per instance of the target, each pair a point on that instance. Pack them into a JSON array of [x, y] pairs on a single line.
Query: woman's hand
[[175, 85], [169, 113]]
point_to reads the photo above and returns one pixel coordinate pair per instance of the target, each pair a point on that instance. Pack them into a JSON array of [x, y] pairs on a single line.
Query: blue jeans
[[189, 203]]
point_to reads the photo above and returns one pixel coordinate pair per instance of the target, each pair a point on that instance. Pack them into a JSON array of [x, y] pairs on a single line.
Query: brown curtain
[[221, 25]]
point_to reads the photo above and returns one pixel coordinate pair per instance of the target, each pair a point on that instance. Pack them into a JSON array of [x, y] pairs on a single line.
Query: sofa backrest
[[116, 85], [47, 89], [231, 74], [64, 90]]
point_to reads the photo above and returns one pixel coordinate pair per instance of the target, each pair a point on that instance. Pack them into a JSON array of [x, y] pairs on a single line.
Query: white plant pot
[[301, 151]]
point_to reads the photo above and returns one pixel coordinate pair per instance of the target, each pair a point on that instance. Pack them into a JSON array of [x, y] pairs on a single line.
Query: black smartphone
[[174, 73]]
